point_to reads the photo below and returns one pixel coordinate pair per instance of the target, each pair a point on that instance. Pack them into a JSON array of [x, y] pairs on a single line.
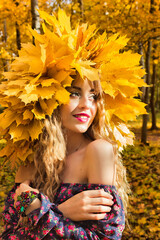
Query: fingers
[[102, 201], [87, 205], [99, 209], [97, 216], [97, 193], [97, 202]]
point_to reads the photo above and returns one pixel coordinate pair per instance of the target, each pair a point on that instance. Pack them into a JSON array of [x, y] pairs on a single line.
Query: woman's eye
[[93, 96], [75, 94]]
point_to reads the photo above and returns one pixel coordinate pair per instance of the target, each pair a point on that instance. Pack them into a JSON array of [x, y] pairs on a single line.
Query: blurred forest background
[[139, 20]]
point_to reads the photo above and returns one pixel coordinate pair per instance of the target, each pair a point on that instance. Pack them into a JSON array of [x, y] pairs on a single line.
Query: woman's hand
[[87, 205], [23, 187]]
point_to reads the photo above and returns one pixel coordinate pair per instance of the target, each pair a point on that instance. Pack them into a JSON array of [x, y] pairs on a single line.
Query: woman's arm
[[87, 205], [55, 224], [101, 167], [49, 221], [84, 205], [23, 187], [101, 163]]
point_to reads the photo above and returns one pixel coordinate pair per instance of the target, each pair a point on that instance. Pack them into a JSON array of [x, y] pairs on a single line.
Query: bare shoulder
[[100, 147], [100, 161], [25, 173]]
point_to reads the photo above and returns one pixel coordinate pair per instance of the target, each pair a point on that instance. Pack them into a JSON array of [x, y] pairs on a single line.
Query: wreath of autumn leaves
[[37, 82]]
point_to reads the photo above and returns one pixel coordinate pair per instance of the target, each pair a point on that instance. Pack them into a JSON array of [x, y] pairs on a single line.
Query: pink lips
[[82, 117]]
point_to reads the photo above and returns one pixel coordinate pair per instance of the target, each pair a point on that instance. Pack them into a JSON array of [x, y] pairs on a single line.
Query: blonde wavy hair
[[50, 153]]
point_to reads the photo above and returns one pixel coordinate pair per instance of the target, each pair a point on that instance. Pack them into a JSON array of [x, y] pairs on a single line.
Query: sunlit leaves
[[36, 85]]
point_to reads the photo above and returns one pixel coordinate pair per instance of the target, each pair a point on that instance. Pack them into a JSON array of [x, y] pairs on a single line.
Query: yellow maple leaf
[[142, 220], [19, 82], [27, 114], [64, 21], [12, 91], [43, 104], [44, 92], [24, 155], [62, 95], [108, 88], [84, 69], [38, 37], [7, 150], [19, 119], [91, 74], [16, 131], [48, 82], [64, 62], [38, 115], [34, 129], [51, 20], [120, 139], [38, 112], [8, 116], [28, 98], [67, 81], [51, 105], [109, 113]]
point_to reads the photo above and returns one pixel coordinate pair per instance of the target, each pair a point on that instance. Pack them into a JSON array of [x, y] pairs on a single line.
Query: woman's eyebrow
[[78, 88]]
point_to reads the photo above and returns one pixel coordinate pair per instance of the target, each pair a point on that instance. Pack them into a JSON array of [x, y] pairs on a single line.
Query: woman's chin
[[80, 129]]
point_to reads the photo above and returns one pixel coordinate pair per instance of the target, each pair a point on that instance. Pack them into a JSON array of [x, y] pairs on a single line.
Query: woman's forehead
[[81, 82]]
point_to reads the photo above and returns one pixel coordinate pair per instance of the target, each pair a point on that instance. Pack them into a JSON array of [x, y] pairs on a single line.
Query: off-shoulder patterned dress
[[49, 223]]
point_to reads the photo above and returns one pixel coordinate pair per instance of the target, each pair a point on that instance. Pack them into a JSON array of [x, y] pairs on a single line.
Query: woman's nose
[[84, 102]]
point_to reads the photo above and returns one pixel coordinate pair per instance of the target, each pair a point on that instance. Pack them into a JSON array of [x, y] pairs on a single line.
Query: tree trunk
[[5, 61], [5, 31], [35, 16], [146, 95], [18, 36], [81, 10], [72, 12], [142, 63], [152, 100], [157, 99]]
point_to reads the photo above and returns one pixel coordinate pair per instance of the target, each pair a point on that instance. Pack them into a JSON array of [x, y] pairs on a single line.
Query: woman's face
[[80, 112]]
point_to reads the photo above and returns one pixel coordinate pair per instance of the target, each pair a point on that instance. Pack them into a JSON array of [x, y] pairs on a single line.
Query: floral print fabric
[[49, 223]]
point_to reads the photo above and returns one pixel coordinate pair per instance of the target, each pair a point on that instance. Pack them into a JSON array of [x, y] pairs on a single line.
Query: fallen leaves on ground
[[143, 172]]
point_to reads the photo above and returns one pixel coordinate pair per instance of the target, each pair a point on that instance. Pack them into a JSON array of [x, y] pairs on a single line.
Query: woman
[[76, 186], [87, 178]]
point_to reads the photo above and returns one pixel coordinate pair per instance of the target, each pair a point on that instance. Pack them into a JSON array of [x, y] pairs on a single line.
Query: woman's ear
[[25, 173]]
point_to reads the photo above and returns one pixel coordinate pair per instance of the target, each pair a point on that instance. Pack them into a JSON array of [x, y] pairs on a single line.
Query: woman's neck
[[75, 141]]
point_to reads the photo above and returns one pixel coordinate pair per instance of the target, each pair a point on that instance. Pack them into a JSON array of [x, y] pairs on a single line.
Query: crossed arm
[[87, 205]]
